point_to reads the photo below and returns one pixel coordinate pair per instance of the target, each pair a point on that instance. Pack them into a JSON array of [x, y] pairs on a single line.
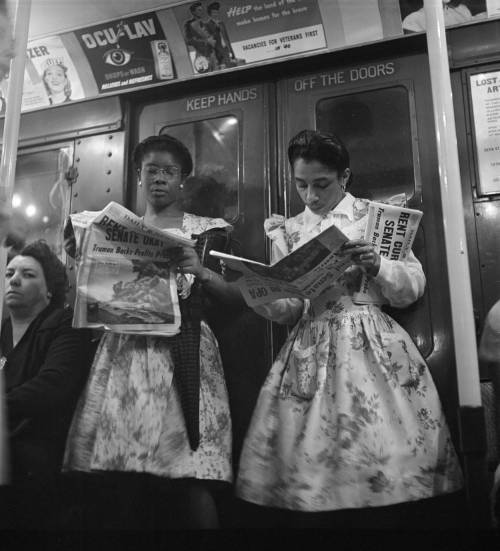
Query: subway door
[[381, 112], [227, 132], [41, 199], [41, 195], [96, 178], [475, 95], [475, 92]]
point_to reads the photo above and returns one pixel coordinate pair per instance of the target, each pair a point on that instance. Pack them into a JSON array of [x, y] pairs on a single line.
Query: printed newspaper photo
[[391, 229], [305, 272], [125, 277]]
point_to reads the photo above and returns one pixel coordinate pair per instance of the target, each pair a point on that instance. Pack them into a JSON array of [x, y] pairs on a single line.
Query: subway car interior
[[359, 74]]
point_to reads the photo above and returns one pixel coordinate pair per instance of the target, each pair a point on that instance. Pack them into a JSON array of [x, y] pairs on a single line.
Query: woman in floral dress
[[137, 413], [349, 416]]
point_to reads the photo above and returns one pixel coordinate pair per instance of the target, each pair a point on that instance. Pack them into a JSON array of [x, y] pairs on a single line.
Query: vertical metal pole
[[472, 427], [8, 169], [451, 196]]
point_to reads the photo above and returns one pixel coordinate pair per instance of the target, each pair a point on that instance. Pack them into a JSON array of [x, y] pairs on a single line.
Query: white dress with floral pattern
[[349, 415], [129, 417]]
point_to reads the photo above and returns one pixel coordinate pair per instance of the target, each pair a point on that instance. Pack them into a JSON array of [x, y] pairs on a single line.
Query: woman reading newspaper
[[156, 405], [349, 417]]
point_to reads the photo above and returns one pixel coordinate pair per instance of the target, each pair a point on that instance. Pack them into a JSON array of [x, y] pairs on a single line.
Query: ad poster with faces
[[228, 33], [455, 12], [50, 76], [129, 52]]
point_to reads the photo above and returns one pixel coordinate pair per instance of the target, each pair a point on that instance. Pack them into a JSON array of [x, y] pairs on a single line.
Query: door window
[[41, 195], [212, 189], [375, 126]]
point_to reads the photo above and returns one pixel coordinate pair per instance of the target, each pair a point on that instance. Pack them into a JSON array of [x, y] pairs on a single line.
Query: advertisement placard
[[50, 76], [454, 12], [235, 32], [485, 93], [129, 52]]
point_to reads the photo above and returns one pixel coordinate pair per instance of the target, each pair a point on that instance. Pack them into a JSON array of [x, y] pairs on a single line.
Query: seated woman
[[154, 418], [489, 354], [45, 363], [349, 418]]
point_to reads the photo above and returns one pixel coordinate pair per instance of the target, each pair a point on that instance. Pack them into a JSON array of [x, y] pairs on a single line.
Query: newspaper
[[391, 229], [125, 278], [306, 272]]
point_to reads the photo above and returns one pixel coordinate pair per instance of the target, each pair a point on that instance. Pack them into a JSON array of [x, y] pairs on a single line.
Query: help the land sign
[[269, 29]]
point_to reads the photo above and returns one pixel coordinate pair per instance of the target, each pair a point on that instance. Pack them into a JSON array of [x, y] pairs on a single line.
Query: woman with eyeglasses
[[155, 408]]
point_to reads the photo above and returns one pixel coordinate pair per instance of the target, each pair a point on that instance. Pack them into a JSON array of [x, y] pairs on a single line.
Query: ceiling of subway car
[[55, 16]]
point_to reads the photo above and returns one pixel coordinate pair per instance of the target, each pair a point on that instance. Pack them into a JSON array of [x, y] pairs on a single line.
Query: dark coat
[[44, 375]]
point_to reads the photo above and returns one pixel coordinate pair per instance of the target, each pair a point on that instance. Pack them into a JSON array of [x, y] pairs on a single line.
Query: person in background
[[57, 84], [45, 363], [489, 353], [349, 420], [153, 424]]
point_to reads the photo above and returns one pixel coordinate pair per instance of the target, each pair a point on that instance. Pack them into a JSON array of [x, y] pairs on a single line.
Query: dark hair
[[324, 147], [167, 143], [204, 196], [213, 6], [194, 6], [53, 270]]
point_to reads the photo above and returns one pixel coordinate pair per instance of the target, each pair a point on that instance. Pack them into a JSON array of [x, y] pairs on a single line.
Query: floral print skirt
[[129, 417], [348, 417]]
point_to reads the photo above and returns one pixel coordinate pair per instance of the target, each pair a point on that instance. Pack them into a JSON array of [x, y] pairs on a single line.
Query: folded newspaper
[[305, 272], [391, 229], [125, 276]]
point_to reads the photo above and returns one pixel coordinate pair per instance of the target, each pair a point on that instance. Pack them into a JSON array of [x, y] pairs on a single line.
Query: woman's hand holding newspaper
[[188, 262], [362, 254]]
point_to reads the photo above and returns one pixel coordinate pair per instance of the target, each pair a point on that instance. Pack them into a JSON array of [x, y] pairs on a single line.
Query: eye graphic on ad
[[117, 57]]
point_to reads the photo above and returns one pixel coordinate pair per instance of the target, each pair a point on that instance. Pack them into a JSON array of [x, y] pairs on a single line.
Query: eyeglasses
[[170, 171]]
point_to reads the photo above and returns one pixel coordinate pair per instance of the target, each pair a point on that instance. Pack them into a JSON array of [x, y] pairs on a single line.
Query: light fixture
[[30, 211]]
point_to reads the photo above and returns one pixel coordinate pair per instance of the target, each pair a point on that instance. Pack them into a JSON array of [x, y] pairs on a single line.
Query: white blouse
[[401, 282]]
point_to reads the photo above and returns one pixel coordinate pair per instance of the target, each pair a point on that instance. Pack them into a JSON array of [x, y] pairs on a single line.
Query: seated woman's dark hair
[[53, 270], [167, 143], [324, 147]]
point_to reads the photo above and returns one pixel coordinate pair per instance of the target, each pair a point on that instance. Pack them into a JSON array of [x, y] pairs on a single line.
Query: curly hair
[[67, 85], [53, 270], [167, 143]]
